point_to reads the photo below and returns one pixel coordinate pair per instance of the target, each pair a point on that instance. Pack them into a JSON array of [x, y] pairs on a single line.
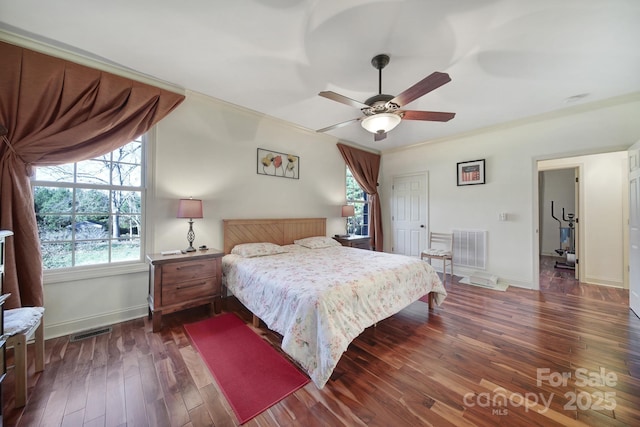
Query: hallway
[[562, 281]]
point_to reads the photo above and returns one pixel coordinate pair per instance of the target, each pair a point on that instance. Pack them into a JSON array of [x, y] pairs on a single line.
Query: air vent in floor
[[90, 333]]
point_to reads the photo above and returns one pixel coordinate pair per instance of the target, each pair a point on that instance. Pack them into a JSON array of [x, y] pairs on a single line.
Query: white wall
[[77, 305], [511, 155], [206, 149]]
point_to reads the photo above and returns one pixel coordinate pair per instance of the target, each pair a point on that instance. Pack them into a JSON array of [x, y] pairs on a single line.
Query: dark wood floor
[[475, 361]]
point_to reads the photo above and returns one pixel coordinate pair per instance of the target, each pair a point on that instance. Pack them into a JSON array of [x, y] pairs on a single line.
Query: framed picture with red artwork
[[471, 172]]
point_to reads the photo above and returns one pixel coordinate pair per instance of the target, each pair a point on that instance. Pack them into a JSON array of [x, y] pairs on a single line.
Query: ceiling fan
[[383, 112]]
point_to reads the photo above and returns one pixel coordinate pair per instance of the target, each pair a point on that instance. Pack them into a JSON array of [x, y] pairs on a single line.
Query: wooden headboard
[[279, 231]]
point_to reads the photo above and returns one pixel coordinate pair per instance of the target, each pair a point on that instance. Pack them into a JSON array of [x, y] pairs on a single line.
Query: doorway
[[558, 193], [601, 209]]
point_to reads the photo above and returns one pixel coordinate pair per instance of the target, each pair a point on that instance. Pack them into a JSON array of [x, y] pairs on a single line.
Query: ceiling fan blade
[[432, 116], [339, 125], [379, 136], [424, 86], [342, 99]]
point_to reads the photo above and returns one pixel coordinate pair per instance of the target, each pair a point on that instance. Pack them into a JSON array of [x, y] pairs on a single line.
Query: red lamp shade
[[190, 208], [348, 210]]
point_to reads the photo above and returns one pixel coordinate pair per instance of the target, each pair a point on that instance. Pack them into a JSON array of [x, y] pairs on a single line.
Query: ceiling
[[508, 59]]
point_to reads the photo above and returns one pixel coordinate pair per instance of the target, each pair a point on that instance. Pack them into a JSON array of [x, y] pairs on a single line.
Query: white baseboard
[[602, 282], [100, 320]]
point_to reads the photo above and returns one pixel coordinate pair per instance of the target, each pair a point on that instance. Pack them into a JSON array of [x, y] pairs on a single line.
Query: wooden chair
[[440, 247], [22, 325]]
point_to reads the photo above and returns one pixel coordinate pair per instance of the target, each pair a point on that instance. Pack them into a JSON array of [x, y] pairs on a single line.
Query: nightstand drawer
[[359, 242], [362, 244], [188, 270], [185, 291]]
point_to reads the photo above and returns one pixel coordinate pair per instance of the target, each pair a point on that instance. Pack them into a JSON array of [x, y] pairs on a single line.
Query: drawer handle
[[191, 285], [190, 266]]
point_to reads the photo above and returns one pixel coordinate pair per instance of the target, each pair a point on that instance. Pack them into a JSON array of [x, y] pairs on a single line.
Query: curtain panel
[[365, 168], [55, 112]]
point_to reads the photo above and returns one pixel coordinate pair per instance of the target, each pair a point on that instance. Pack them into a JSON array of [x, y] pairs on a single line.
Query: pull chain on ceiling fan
[[383, 112]]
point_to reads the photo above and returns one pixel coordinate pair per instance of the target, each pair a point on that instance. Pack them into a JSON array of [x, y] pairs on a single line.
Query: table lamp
[[190, 208], [348, 211]]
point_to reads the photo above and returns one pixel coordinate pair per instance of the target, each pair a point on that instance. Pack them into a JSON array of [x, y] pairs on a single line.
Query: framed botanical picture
[[471, 173], [278, 164]]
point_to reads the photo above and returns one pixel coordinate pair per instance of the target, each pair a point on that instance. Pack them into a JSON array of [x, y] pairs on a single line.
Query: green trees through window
[[359, 223], [90, 212]]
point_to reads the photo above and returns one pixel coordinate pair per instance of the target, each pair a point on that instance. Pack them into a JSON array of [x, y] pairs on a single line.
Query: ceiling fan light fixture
[[382, 113], [381, 122]]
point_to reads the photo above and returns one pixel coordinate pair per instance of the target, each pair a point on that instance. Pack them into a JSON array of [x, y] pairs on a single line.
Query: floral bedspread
[[319, 300]]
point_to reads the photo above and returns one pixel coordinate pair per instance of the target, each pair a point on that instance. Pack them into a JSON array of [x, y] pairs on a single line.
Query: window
[[359, 223], [90, 212]]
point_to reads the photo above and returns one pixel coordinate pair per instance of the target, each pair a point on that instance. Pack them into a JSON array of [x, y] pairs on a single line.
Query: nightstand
[[177, 282], [360, 242]]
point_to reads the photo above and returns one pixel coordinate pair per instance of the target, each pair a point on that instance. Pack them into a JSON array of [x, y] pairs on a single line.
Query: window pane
[[56, 255], [93, 172], [62, 173], [53, 200], [90, 201], [125, 250], [127, 175], [354, 192], [359, 224], [127, 202], [130, 153], [129, 226], [92, 252], [88, 230], [127, 170], [54, 227]]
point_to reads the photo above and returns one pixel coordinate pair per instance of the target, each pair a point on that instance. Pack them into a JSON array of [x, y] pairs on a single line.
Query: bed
[[318, 294]]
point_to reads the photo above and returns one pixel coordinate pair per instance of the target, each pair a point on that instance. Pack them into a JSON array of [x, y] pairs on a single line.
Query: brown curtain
[[58, 112], [365, 168]]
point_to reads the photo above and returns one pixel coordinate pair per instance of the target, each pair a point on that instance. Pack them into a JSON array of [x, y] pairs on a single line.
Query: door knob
[[421, 225]]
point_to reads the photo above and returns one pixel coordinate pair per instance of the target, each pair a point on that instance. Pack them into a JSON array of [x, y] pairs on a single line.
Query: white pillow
[[317, 242], [250, 250]]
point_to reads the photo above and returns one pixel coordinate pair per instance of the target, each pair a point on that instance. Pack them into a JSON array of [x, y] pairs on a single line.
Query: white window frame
[[364, 202], [120, 267]]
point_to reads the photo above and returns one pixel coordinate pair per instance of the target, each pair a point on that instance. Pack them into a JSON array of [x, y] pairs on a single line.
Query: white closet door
[[409, 214]]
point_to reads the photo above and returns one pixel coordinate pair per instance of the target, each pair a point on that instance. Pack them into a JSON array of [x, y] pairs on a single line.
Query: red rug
[[252, 375]]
